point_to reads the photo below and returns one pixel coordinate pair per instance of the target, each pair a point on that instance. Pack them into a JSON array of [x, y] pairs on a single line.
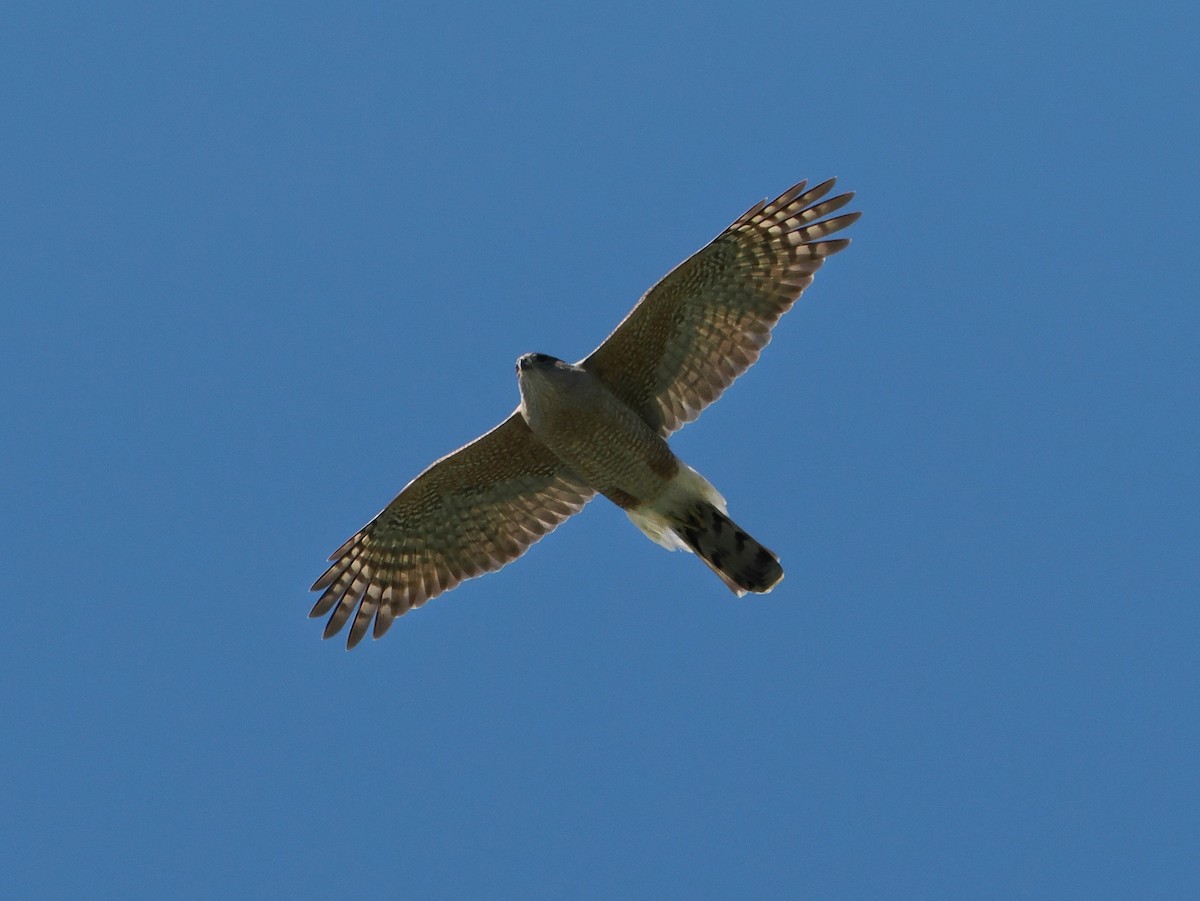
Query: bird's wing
[[707, 321], [469, 513]]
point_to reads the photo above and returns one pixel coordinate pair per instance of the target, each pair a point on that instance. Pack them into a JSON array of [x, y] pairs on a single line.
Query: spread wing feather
[[469, 513], [708, 320]]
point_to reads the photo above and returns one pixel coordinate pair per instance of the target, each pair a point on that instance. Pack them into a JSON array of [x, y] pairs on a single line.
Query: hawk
[[599, 426]]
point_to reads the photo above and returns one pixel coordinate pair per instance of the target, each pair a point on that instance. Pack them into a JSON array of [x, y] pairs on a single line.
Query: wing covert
[[707, 321], [471, 512]]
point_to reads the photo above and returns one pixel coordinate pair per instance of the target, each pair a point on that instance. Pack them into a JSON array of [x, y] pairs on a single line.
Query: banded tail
[[691, 516], [742, 563]]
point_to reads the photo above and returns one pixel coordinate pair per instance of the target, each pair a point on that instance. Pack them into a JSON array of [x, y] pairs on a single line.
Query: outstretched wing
[[469, 513], [707, 321]]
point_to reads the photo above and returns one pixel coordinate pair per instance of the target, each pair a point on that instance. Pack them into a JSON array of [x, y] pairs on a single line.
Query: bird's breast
[[600, 437]]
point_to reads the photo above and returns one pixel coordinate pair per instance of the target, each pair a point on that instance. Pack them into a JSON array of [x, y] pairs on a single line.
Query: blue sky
[[264, 262]]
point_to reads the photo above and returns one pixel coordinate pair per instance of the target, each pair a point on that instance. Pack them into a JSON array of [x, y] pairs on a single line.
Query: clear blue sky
[[262, 263]]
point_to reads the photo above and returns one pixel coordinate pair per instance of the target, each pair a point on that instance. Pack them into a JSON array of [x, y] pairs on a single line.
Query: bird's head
[[546, 382], [539, 363]]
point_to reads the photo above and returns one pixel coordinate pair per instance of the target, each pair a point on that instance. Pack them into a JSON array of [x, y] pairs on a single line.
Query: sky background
[[262, 263]]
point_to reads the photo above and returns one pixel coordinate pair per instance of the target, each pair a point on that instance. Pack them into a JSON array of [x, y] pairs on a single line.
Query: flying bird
[[600, 426]]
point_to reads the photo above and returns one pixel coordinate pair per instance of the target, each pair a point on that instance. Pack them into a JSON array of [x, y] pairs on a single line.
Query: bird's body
[[600, 437], [600, 426], [596, 434]]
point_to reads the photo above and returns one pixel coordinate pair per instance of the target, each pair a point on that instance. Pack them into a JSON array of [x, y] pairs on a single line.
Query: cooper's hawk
[[600, 426]]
